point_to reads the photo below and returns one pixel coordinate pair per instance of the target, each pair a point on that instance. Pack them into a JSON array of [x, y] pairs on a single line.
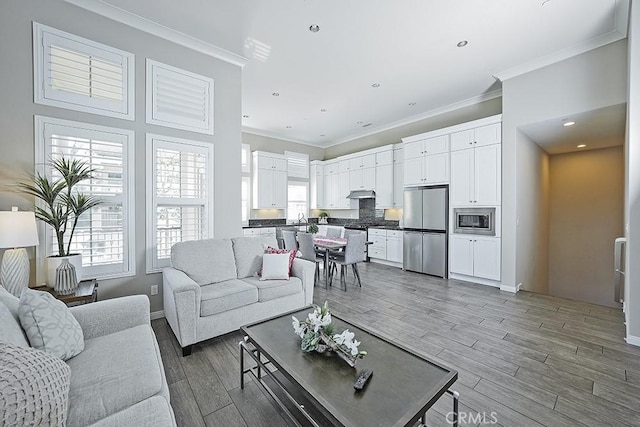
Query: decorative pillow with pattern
[[34, 387], [49, 324], [292, 254]]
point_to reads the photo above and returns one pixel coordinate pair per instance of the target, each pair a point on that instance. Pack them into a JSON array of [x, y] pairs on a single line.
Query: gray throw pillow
[[49, 324], [34, 387]]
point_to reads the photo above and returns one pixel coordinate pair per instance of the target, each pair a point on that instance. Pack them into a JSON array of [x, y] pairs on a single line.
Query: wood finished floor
[[529, 359]]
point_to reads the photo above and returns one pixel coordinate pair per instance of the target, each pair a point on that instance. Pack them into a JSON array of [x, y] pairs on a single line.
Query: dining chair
[[353, 254], [289, 237], [334, 232], [307, 251]]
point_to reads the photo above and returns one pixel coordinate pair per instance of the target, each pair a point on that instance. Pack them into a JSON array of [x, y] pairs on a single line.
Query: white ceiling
[[601, 128], [408, 47]]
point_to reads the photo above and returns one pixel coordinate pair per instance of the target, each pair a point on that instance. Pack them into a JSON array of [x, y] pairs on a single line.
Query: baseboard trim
[[630, 339], [157, 314], [507, 288]]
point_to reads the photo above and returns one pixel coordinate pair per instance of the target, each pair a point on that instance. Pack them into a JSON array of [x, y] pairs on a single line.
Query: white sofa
[[213, 288], [118, 379]]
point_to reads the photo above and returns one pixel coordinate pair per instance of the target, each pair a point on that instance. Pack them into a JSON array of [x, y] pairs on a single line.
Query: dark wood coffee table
[[317, 389]]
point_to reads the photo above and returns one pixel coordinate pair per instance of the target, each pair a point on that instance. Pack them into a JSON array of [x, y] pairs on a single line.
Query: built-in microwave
[[475, 221]]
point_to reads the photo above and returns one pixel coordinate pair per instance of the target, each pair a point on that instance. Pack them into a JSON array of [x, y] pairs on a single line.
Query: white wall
[[586, 82], [17, 110], [632, 227], [533, 202]]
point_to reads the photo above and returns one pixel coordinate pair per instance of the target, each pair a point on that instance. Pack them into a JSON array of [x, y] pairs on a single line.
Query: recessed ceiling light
[[359, 123], [245, 116], [323, 135], [375, 85], [582, 145], [323, 110], [288, 127], [565, 124], [275, 94], [314, 28], [462, 43], [412, 104]]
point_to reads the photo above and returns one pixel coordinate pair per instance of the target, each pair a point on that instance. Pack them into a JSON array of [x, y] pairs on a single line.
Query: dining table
[[327, 244]]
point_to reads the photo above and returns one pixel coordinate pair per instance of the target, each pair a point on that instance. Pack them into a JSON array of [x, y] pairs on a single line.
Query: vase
[[53, 262], [66, 279]]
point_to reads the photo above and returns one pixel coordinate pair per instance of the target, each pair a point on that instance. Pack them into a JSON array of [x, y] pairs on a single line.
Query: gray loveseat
[[213, 288], [118, 379]]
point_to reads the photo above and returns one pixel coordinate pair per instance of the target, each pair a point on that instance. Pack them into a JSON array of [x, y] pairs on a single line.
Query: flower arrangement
[[317, 333]]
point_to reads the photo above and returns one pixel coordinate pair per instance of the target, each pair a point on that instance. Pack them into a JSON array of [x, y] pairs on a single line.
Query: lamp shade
[[18, 229]]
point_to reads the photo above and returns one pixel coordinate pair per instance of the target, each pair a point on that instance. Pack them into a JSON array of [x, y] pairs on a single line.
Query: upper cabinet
[[384, 179], [476, 137], [269, 180], [426, 161], [316, 185], [398, 175]]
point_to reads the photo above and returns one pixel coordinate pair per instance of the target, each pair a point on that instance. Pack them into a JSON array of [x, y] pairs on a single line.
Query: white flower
[[297, 328], [346, 339], [318, 321]]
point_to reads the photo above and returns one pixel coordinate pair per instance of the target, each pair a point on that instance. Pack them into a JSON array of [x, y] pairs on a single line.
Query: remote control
[[362, 379]]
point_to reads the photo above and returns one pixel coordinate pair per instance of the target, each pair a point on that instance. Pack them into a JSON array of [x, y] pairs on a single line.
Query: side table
[[86, 293]]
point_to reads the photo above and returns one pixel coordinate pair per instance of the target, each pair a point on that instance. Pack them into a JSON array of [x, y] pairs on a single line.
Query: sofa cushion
[[10, 301], [34, 387], [248, 252], [113, 372], [49, 325], [153, 412], [11, 332], [293, 253], [275, 267], [225, 296], [273, 289], [205, 261]]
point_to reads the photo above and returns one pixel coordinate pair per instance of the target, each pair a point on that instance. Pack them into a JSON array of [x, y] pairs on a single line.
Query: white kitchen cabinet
[[269, 181], [361, 162], [343, 191], [362, 179], [398, 177], [384, 157], [386, 245], [477, 137], [426, 162], [476, 177], [331, 188], [259, 231], [316, 185], [384, 186], [475, 256]]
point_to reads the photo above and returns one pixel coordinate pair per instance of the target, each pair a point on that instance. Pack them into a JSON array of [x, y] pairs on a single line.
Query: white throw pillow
[[49, 324], [275, 267]]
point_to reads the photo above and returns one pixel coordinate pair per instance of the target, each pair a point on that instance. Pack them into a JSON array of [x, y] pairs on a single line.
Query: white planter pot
[[54, 262]]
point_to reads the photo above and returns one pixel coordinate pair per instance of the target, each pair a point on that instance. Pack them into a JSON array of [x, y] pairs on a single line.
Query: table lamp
[[17, 231]]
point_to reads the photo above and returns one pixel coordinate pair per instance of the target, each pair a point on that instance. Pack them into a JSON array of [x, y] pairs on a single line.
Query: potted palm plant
[[60, 205]]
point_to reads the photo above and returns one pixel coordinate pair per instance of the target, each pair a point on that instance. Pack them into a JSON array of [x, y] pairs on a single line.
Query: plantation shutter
[[103, 235], [179, 99], [181, 193], [76, 73], [297, 165]]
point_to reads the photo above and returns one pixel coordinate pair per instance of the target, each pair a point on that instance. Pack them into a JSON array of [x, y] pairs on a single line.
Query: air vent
[[367, 125]]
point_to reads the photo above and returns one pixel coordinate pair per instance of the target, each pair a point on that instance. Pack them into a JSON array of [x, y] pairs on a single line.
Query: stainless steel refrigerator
[[425, 217]]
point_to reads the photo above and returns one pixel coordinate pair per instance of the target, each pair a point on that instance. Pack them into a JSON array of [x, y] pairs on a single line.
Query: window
[[297, 165], [297, 196], [246, 158], [80, 74], [179, 99], [246, 203], [104, 235], [179, 195]]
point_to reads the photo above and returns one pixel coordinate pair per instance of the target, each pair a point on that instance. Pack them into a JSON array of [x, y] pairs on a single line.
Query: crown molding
[[274, 135], [422, 116], [619, 32], [143, 24]]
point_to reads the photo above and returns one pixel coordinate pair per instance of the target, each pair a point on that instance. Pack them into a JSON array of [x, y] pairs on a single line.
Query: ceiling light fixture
[[323, 135], [462, 43], [582, 145], [359, 122], [275, 94], [323, 110], [245, 116], [314, 28], [411, 104], [375, 85], [565, 124], [288, 127], [545, 2]]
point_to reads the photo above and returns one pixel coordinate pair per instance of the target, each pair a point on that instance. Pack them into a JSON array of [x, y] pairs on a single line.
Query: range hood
[[362, 194]]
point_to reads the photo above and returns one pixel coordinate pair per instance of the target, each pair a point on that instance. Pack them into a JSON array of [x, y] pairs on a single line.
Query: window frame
[[77, 102], [42, 157], [304, 182], [153, 142]]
